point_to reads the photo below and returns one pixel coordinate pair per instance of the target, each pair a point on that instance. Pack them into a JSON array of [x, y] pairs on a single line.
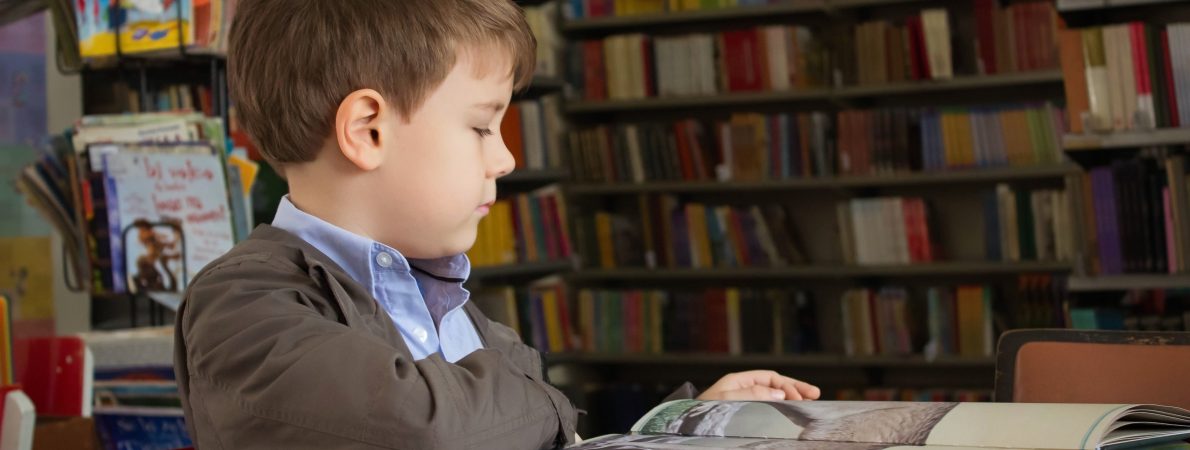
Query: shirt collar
[[353, 252]]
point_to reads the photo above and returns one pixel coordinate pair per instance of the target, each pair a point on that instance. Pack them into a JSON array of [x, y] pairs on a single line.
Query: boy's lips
[[484, 208]]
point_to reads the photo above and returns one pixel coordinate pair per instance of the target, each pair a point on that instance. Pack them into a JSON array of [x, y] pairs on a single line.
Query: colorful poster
[[22, 82], [144, 25], [170, 214], [27, 281]]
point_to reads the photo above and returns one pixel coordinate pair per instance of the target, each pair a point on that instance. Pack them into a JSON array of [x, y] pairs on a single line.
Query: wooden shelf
[[521, 270], [1159, 137], [835, 183], [706, 16], [1065, 6], [1128, 282], [817, 95], [818, 272], [763, 360], [534, 176], [543, 83]]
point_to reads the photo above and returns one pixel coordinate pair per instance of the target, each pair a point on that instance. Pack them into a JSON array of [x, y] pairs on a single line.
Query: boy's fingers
[[755, 393]]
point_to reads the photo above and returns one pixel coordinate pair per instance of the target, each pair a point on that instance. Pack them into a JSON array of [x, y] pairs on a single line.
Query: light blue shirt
[[428, 312]]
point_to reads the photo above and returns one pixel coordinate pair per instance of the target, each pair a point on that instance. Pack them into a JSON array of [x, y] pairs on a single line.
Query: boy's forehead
[[487, 62]]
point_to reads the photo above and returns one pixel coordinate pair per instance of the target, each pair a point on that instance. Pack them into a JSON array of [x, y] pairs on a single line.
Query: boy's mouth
[[484, 208]]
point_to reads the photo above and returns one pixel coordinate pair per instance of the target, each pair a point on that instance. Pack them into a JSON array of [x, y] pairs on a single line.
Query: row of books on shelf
[[100, 27], [578, 9], [1129, 76], [914, 395], [883, 322], [753, 147], [534, 131], [1135, 215], [728, 321], [1017, 38], [542, 20], [523, 228], [179, 97], [143, 201], [937, 321], [1028, 225], [666, 233]]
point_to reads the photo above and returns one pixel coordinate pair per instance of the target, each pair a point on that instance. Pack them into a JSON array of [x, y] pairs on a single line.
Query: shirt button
[[421, 334], [384, 259]]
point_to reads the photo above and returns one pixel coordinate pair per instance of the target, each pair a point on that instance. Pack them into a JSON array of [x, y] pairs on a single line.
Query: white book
[[937, 33], [1115, 76], [634, 153], [639, 78], [709, 70], [776, 43], [533, 132], [1128, 73], [863, 242], [1179, 38], [555, 126], [898, 233], [20, 416], [1098, 83]]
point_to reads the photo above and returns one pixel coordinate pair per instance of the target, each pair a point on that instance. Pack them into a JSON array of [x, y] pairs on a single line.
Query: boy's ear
[[358, 128]]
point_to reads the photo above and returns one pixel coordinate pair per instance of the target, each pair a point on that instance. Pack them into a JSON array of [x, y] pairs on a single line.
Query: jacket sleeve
[[258, 348]]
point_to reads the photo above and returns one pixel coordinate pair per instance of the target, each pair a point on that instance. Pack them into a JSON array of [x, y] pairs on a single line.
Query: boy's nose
[[502, 162]]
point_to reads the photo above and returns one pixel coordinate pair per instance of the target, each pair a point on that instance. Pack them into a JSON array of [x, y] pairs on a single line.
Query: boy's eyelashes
[[483, 132]]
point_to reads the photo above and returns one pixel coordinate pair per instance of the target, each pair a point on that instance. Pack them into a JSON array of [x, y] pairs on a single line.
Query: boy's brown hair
[[290, 62]]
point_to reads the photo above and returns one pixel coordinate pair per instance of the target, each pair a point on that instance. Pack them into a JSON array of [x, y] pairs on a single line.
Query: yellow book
[[647, 6], [971, 321], [691, 5], [603, 232], [528, 232], [507, 232], [510, 309], [735, 343], [5, 343], [700, 241], [624, 7], [964, 137], [553, 321], [586, 319]]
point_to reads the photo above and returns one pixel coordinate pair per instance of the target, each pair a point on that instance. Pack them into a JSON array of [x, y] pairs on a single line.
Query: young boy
[[345, 324]]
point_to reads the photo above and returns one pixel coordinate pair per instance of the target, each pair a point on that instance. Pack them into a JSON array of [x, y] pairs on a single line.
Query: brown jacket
[[277, 348]]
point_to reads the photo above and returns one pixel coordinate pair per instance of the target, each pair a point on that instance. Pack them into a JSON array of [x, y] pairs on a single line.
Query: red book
[[985, 31], [1020, 28], [743, 52], [1171, 92], [874, 320], [716, 304], [551, 233], [738, 239], [701, 155], [559, 224], [594, 74], [685, 156], [919, 63], [913, 236], [600, 8], [646, 51], [1140, 57], [56, 373], [568, 343], [511, 129]]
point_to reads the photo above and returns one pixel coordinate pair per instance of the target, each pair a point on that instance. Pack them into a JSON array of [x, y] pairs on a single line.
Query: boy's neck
[[312, 191]]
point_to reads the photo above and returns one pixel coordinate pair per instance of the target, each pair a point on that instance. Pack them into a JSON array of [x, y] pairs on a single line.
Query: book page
[[907, 423], [666, 442], [1025, 425]]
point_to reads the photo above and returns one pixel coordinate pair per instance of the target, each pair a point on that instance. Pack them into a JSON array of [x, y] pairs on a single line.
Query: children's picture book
[[169, 213], [841, 425], [142, 25]]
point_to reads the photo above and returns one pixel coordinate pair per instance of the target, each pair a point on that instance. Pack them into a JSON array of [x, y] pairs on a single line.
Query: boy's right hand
[[760, 385]]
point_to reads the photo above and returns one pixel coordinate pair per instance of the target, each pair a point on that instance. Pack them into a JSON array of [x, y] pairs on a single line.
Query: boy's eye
[[483, 132]]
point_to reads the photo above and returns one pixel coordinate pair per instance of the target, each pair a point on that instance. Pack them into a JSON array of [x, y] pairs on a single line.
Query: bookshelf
[[720, 16], [531, 177], [819, 95], [1128, 282], [1126, 140], [519, 271], [986, 176], [818, 272], [1119, 144], [762, 360], [811, 194]]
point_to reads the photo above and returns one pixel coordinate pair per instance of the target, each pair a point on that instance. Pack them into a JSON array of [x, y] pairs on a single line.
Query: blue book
[[142, 428], [992, 231]]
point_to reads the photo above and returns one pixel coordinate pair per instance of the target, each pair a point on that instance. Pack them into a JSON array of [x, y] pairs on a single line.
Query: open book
[[836, 425]]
